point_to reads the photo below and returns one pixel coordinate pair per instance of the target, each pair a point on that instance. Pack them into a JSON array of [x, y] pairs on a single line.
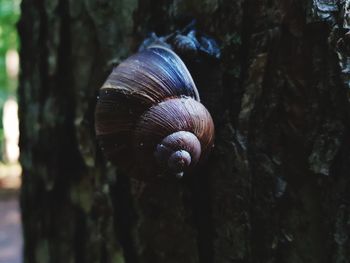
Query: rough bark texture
[[276, 187]]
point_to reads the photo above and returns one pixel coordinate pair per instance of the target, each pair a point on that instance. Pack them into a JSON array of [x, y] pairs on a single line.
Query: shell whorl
[[153, 75], [178, 151], [148, 98]]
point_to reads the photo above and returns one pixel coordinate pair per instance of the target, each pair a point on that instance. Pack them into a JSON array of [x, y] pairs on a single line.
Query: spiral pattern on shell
[[149, 114]]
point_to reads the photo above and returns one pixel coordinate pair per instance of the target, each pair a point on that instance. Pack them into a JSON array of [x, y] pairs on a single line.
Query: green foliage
[[9, 15]]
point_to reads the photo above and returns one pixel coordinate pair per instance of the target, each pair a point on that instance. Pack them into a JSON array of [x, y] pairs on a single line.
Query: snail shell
[[149, 114]]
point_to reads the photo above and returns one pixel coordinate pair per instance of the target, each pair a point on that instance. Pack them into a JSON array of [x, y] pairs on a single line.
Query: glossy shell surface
[[146, 98]]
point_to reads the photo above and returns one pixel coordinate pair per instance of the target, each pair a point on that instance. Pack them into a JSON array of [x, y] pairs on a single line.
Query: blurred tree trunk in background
[[276, 187]]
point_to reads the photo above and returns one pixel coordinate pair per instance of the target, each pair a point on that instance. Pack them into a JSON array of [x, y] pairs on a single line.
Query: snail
[[149, 115]]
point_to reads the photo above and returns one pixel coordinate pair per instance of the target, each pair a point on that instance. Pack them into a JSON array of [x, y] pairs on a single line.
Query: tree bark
[[275, 188]]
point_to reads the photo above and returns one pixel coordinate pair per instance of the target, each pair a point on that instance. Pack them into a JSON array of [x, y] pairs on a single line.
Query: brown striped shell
[[148, 114]]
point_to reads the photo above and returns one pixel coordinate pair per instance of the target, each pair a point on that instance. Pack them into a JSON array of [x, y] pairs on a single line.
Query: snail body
[[149, 112]]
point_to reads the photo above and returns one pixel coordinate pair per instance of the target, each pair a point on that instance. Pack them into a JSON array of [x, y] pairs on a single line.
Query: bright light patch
[[11, 130], [12, 63]]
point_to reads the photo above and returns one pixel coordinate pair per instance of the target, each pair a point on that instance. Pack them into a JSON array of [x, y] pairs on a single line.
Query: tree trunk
[[275, 188]]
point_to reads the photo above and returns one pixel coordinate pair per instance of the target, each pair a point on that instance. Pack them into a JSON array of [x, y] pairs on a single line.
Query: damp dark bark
[[276, 186]]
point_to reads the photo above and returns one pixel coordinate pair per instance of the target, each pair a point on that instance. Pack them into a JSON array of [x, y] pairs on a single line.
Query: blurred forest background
[[9, 68], [10, 170]]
